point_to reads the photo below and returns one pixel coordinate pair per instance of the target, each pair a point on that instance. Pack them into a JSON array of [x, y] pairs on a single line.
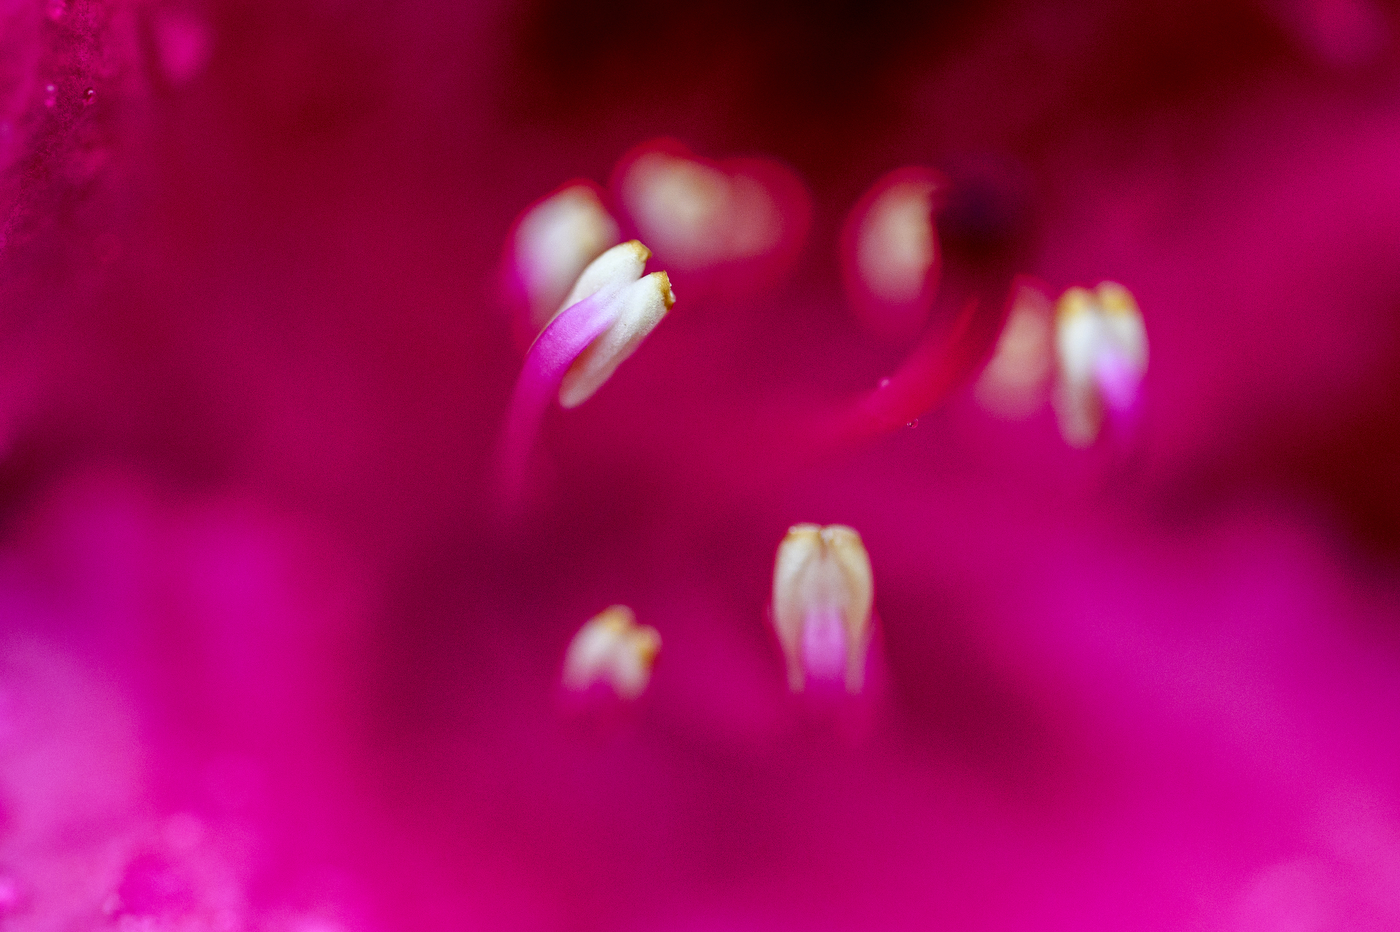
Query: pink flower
[[277, 651]]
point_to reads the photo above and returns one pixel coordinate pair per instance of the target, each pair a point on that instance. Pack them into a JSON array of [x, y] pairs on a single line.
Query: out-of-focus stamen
[[1014, 383], [1101, 349], [554, 242], [681, 206], [699, 215], [612, 649], [823, 593], [892, 257], [897, 245]]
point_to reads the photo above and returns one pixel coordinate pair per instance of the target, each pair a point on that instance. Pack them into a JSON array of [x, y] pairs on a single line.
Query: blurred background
[[272, 658]]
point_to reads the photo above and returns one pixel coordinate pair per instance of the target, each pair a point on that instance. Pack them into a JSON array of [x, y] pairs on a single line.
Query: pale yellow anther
[[555, 242], [1101, 351], [612, 649], [641, 305], [823, 593], [619, 266], [696, 215], [1014, 382], [896, 245]]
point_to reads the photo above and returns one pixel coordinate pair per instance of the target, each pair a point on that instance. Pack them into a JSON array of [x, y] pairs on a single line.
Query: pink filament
[[944, 360], [549, 358]]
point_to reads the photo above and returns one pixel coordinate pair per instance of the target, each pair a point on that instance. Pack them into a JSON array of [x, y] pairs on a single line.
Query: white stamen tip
[[823, 592], [640, 307], [612, 649], [896, 245], [1013, 384], [697, 215], [616, 268], [1101, 348], [554, 242]]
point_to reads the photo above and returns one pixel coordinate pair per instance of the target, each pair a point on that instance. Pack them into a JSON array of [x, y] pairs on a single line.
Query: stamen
[[553, 243], [620, 264], [701, 215], [1014, 383], [613, 650], [1101, 348], [609, 304], [896, 246], [640, 308], [681, 205], [823, 592], [892, 256]]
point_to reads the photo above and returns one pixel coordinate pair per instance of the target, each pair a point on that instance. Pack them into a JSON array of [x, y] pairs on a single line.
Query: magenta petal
[[944, 360], [554, 350]]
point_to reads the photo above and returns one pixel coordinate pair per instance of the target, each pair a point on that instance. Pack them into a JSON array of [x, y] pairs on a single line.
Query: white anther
[[680, 205], [698, 216], [1014, 382], [823, 591], [1101, 348], [641, 305], [896, 244], [616, 268], [555, 241], [611, 648]]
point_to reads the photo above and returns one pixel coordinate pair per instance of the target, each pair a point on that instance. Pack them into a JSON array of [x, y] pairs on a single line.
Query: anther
[[1101, 349], [897, 246], [640, 308], [823, 593], [554, 242], [613, 650], [638, 304], [892, 254], [618, 266], [698, 215], [610, 309], [1014, 383]]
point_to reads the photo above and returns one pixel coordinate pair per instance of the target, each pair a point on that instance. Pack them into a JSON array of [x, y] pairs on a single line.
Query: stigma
[[823, 593], [1101, 355], [612, 650]]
